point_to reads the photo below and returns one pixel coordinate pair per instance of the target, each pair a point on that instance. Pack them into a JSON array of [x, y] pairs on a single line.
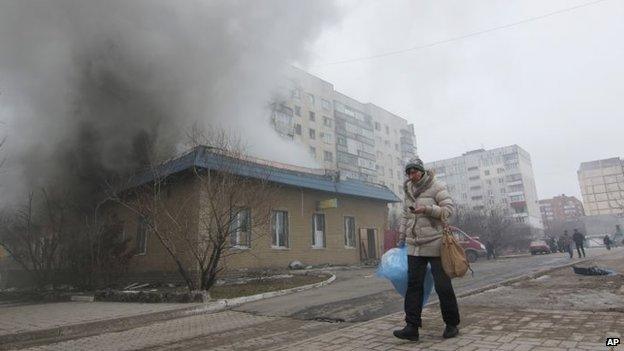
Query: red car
[[472, 246], [539, 247]]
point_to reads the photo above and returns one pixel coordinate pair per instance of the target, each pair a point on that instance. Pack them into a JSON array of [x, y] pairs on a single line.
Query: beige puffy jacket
[[422, 233]]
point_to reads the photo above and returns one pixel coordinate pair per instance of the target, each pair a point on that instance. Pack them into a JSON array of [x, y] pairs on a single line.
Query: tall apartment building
[[498, 179], [361, 140], [560, 209], [602, 186]]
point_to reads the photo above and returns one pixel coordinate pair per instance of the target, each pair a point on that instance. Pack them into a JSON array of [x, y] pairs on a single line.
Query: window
[[326, 105], [387, 130], [517, 187], [312, 134], [501, 180], [327, 138], [489, 182], [279, 228], [312, 116], [474, 178], [311, 99], [476, 198], [329, 157], [377, 126], [298, 129], [487, 172], [313, 151], [516, 198], [502, 190], [298, 110], [478, 187], [349, 225], [318, 230], [296, 93], [141, 235], [500, 170], [240, 228], [327, 121], [396, 147]]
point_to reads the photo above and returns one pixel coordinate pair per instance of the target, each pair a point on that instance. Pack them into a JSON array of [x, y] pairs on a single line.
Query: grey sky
[[554, 86]]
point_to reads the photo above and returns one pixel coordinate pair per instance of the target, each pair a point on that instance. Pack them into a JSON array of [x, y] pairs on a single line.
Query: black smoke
[[91, 90]]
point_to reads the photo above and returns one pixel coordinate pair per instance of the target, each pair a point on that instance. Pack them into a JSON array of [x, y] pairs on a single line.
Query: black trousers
[[416, 269], [579, 248]]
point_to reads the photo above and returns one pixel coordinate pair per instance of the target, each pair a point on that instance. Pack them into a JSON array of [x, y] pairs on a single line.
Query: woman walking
[[427, 203]]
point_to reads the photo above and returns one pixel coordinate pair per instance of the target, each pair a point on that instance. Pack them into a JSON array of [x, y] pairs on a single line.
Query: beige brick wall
[[300, 205], [181, 196]]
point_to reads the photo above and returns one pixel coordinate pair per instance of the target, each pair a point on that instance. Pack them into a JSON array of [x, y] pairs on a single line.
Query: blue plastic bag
[[393, 267]]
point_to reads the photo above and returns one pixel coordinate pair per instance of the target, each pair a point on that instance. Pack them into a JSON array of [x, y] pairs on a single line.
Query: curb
[[73, 331]]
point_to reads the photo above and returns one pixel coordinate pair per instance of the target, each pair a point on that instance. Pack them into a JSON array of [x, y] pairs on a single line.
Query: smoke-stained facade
[[361, 140]]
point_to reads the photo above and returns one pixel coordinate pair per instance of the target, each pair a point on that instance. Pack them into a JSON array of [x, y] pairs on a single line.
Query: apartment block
[[602, 186], [497, 179], [560, 208], [361, 140]]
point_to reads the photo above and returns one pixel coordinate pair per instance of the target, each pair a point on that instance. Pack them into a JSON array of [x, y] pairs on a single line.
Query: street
[[356, 296]]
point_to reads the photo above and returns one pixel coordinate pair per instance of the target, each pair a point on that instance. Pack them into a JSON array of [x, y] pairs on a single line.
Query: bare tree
[[32, 235], [201, 227], [495, 226]]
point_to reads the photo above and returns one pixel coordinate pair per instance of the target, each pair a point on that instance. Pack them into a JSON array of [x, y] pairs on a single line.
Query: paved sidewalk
[[27, 318], [558, 311], [483, 329]]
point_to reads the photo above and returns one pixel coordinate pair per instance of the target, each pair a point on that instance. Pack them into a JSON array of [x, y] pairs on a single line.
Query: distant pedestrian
[[607, 241], [579, 241], [427, 204], [489, 249], [567, 243]]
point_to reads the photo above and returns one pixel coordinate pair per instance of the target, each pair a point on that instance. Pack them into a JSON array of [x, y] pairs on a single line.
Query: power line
[[461, 37]]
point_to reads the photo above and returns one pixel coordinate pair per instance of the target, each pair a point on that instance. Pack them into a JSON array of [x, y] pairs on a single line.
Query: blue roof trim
[[202, 157]]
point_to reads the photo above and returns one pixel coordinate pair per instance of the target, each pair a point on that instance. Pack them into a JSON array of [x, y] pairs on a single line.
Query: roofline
[[196, 158]]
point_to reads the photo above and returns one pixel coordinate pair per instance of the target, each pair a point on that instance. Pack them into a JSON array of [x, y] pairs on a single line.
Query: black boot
[[410, 332], [450, 332]]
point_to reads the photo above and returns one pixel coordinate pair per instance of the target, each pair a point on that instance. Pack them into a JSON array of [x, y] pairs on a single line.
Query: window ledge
[[350, 247], [318, 248], [280, 248], [240, 248]]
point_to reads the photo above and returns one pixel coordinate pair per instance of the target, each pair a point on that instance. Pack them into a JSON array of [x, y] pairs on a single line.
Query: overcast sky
[[554, 86]]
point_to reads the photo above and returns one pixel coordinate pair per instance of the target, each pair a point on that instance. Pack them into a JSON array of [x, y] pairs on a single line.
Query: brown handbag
[[453, 257]]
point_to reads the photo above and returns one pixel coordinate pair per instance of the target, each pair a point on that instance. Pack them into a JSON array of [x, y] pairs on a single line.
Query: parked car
[[472, 246], [539, 247]]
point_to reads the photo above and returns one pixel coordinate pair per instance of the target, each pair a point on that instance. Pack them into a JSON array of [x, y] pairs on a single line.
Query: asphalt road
[[356, 296]]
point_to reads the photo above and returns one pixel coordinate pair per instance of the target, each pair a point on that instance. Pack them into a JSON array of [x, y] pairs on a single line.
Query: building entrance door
[[370, 245]]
